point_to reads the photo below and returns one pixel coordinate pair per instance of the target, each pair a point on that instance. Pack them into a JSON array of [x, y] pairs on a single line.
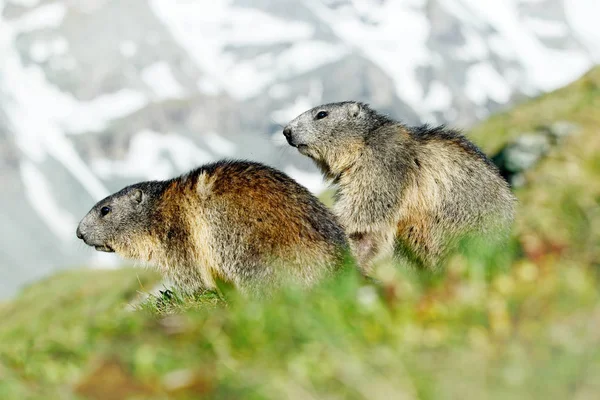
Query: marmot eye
[[321, 114], [104, 211]]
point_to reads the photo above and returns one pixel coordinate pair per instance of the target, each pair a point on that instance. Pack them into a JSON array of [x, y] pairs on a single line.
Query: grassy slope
[[529, 329]]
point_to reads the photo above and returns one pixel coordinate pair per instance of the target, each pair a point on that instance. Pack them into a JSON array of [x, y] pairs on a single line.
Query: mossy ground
[[518, 322]]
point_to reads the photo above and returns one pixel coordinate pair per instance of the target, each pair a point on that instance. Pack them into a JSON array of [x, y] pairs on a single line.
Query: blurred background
[[98, 94]]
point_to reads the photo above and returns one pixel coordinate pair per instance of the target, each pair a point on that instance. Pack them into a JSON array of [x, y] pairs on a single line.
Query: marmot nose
[[79, 235], [287, 132]]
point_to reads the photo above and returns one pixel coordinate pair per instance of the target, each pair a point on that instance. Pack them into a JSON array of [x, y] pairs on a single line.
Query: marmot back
[[409, 191], [241, 222]]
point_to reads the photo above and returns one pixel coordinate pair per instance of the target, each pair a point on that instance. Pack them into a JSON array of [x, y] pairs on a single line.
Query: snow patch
[[39, 194], [546, 68], [24, 3], [128, 48], [223, 25], [32, 90], [301, 104], [547, 28], [439, 97], [286, 114], [95, 115], [67, 63], [279, 91], [31, 95], [159, 77], [219, 145], [396, 41], [60, 45], [313, 181], [304, 56], [152, 155], [45, 16], [459, 10], [240, 27], [251, 77], [485, 82], [501, 47], [474, 48], [41, 51], [582, 16], [450, 114], [208, 86]]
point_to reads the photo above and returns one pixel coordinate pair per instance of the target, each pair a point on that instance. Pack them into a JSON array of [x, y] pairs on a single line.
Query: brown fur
[[239, 222]]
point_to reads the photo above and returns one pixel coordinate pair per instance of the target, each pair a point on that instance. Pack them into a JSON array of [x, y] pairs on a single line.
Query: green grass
[[519, 322], [533, 332]]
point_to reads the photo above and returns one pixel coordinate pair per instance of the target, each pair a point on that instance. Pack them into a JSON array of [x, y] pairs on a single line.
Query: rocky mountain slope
[[95, 94], [520, 322]]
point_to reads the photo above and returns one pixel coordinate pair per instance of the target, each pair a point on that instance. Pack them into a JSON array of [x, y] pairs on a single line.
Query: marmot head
[[329, 128], [119, 219]]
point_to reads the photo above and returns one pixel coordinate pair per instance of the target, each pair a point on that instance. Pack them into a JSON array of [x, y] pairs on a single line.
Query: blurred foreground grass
[[522, 322]]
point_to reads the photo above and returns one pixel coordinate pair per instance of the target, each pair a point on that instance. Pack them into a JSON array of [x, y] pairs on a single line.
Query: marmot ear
[[354, 110], [136, 195]]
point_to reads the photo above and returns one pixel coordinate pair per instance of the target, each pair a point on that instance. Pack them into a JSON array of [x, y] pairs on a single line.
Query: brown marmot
[[241, 222], [403, 191]]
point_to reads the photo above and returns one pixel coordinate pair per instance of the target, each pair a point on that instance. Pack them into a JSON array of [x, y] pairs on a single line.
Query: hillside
[[520, 323]]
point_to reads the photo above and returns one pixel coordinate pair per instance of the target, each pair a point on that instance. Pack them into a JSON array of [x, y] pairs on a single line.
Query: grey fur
[[409, 191]]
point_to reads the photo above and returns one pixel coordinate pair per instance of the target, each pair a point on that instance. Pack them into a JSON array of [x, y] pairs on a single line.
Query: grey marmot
[[241, 222], [407, 192]]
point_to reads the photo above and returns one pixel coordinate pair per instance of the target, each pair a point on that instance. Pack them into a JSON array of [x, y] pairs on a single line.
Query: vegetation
[[518, 322]]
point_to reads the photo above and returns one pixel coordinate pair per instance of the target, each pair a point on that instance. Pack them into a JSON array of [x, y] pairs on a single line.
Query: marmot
[[402, 191], [241, 222]]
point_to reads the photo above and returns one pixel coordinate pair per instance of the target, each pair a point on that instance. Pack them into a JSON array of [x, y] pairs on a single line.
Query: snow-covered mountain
[[97, 94]]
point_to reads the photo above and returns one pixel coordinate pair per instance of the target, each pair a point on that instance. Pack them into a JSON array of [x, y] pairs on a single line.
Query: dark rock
[[524, 153]]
